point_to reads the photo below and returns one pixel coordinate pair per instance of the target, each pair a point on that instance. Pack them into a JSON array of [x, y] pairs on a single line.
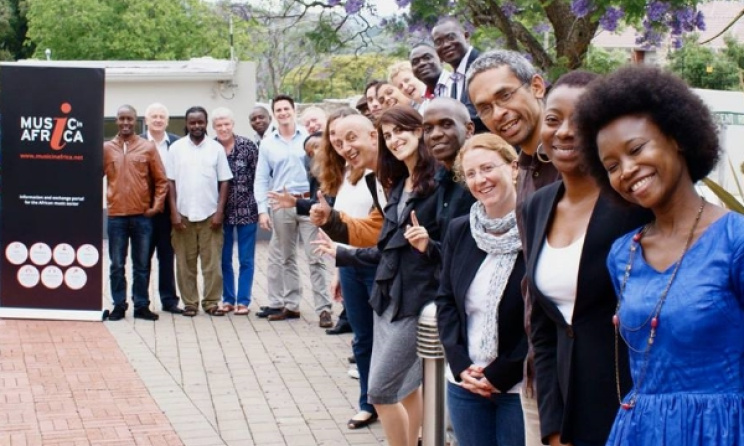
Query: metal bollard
[[430, 350]]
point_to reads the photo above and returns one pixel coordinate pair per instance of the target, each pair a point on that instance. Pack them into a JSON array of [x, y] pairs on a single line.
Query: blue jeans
[[356, 287], [481, 421], [246, 254], [121, 230]]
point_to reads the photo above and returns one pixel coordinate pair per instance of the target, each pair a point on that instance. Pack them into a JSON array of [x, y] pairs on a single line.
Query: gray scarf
[[498, 237]]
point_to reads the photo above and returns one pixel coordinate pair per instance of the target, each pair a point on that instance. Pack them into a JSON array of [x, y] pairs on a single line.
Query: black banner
[[51, 193]]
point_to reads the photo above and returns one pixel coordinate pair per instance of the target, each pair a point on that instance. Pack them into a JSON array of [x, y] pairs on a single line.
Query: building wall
[[179, 95]]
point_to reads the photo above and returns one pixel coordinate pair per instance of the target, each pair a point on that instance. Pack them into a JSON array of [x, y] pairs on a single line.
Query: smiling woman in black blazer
[[479, 304], [569, 229]]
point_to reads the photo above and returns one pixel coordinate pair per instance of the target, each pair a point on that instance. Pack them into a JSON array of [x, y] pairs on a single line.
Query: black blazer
[[465, 97], [461, 259], [404, 276], [575, 364]]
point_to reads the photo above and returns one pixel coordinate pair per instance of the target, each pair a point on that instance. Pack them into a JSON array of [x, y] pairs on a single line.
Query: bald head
[[447, 125], [358, 141]]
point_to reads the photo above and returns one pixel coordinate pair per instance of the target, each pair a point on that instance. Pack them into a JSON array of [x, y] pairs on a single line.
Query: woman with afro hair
[[680, 278]]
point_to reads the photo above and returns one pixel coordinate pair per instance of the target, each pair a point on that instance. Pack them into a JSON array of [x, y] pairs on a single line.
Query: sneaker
[[117, 313], [146, 314], [325, 320], [353, 372]]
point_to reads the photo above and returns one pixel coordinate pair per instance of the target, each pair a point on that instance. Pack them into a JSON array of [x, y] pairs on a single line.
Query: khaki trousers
[[198, 242]]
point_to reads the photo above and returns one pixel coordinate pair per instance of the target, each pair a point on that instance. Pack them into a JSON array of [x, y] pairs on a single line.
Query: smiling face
[[314, 120], [557, 131], [196, 124], [126, 120], [156, 120], [451, 42], [284, 113], [426, 64], [517, 118], [224, 128], [403, 144], [445, 129], [408, 84], [490, 180], [644, 166], [260, 120], [388, 95], [354, 138], [312, 145], [374, 106]]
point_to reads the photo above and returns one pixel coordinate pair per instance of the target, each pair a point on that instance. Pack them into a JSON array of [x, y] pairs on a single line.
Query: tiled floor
[[205, 381]]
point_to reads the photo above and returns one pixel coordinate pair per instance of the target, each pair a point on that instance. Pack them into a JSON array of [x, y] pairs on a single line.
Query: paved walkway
[[205, 381]]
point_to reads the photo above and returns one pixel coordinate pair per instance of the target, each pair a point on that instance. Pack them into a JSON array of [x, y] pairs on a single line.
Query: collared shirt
[[240, 208], [461, 69], [197, 171], [440, 91], [281, 164], [162, 146]]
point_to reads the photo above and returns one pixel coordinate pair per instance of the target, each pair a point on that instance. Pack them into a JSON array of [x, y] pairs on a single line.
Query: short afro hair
[[666, 99]]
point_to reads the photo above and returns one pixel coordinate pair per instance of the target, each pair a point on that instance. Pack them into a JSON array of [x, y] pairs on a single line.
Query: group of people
[[558, 229]]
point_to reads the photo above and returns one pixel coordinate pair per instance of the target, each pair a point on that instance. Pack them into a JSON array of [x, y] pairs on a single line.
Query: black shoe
[[340, 328], [117, 313], [173, 309], [145, 313], [268, 311], [351, 359]]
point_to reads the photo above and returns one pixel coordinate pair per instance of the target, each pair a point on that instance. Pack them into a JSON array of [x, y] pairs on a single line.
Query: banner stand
[[58, 315]]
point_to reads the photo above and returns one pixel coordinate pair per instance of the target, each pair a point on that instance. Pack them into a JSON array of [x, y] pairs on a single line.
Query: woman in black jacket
[[480, 306], [407, 271]]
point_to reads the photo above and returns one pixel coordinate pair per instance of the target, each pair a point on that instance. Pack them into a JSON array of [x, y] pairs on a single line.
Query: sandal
[[214, 310], [228, 308], [242, 310], [357, 424], [189, 311]]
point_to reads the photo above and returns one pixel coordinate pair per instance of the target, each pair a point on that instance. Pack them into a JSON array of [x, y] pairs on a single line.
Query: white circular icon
[[87, 255], [64, 254], [75, 278], [40, 253], [16, 253], [52, 277], [28, 276]]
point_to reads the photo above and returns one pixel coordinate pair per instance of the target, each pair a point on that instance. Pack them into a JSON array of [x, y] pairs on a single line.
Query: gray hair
[[221, 113], [156, 106], [519, 65]]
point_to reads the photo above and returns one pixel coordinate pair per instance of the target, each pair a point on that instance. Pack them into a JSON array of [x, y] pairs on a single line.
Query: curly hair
[[328, 166], [390, 170], [666, 99]]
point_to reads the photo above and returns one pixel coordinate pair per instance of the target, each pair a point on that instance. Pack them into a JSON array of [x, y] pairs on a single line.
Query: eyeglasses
[[485, 110], [483, 170], [447, 38]]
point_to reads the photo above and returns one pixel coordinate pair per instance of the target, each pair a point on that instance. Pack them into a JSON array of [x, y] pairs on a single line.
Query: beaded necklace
[[652, 319]]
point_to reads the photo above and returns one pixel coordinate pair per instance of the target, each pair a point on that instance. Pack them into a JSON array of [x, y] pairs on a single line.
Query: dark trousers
[[161, 242], [136, 229]]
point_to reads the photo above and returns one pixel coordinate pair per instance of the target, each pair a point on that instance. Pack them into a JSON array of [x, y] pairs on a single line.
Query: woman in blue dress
[[680, 278]]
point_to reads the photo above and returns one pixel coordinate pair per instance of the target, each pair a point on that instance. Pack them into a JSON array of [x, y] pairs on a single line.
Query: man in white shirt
[[198, 173], [453, 47], [281, 166], [156, 118]]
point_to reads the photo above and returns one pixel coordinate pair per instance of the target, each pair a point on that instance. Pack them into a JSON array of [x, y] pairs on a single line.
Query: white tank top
[[557, 275]]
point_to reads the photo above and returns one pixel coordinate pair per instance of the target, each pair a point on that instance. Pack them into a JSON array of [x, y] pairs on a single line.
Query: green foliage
[[126, 29], [734, 50], [13, 31], [338, 77], [702, 67], [601, 61]]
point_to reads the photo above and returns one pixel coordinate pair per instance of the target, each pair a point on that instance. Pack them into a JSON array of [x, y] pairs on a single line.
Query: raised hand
[[281, 200], [320, 212], [416, 234], [324, 245]]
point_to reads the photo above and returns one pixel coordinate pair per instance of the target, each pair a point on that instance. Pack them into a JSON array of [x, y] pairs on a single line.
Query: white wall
[[179, 95]]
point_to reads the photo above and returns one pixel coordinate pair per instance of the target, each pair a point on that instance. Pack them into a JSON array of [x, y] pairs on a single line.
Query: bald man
[[136, 188], [447, 125]]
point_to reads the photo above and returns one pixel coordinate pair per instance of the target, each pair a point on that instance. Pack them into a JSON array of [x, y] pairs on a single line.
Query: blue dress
[[692, 393]]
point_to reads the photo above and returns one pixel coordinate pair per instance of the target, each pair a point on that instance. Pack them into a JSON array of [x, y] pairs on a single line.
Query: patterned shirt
[[241, 203]]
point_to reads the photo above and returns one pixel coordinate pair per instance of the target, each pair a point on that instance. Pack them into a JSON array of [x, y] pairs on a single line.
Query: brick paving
[[206, 381]]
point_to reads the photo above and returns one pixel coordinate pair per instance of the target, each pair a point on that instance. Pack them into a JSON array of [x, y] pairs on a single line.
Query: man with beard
[[136, 190], [453, 47], [199, 177]]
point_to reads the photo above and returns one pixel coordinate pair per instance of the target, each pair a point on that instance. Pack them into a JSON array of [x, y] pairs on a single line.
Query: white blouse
[[557, 275]]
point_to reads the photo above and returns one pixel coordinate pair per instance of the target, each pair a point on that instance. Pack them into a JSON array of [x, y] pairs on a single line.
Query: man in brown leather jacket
[[136, 191]]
